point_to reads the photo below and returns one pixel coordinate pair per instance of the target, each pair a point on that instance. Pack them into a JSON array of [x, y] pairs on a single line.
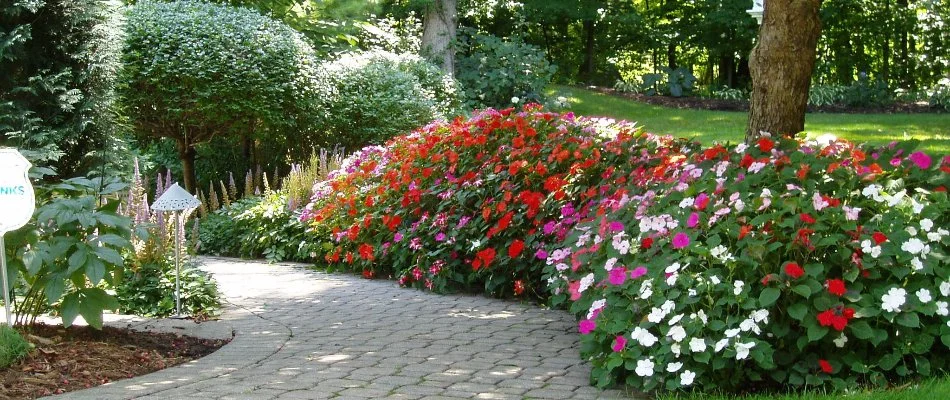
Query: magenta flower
[[680, 241], [618, 275], [638, 272], [693, 220], [541, 254], [616, 226], [586, 326], [439, 237], [549, 227], [397, 237], [921, 159], [619, 343], [895, 161]]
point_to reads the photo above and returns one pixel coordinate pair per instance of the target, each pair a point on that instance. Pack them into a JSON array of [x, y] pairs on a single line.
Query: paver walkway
[[301, 334]]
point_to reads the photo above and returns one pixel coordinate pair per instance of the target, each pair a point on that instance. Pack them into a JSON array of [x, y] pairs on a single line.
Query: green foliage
[[940, 95], [256, 227], [826, 95], [501, 73], [148, 289], [12, 346], [672, 82], [367, 98], [71, 249], [298, 184], [623, 86], [867, 93], [59, 60], [727, 93]]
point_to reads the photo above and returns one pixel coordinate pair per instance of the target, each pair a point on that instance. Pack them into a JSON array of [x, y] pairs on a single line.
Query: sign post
[[176, 199], [17, 204]]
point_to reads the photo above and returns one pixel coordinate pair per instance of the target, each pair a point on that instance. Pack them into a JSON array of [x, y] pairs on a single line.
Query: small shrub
[[867, 93], [13, 347], [366, 98], [148, 289], [501, 73], [727, 93], [826, 95], [627, 87], [257, 227], [672, 82], [940, 95]]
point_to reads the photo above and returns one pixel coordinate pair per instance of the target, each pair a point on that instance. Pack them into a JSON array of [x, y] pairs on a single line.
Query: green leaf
[[95, 270], [861, 330], [69, 309], [908, 319], [798, 311], [946, 340], [814, 270], [77, 259], [54, 288], [888, 361], [816, 332], [802, 290], [769, 296], [110, 256]]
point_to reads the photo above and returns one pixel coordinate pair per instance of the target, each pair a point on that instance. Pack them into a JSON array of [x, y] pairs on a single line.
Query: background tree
[[438, 33], [781, 65], [193, 71]]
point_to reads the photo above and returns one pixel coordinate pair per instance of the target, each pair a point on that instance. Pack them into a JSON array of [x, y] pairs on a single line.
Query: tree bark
[[438, 32], [186, 152], [781, 66], [587, 68]]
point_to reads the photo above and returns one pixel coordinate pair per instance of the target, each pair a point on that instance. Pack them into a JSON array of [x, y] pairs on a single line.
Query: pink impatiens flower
[[920, 159], [638, 272], [680, 241], [618, 276], [586, 326], [619, 343], [693, 220]]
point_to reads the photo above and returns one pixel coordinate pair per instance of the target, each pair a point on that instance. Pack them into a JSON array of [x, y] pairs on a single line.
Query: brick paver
[[302, 334]]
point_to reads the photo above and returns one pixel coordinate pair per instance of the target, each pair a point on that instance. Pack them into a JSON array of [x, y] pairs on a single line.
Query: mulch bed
[[697, 103], [81, 357]]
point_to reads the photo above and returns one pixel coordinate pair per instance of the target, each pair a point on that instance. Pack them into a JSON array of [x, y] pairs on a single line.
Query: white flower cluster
[[722, 254], [660, 223]]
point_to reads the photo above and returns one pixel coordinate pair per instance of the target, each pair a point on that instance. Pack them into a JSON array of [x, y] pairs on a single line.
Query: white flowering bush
[[776, 265]]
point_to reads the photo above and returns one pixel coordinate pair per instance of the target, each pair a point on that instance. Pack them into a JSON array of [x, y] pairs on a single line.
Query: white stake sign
[[16, 207]]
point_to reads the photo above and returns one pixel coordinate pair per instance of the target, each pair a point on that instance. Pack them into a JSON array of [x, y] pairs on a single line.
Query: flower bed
[[778, 264], [472, 204], [735, 268]]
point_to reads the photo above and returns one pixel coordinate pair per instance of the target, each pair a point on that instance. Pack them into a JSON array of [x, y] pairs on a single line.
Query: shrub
[[627, 87], [367, 98], [148, 289], [256, 227], [12, 346], [940, 95], [470, 205], [826, 95], [776, 264], [672, 82], [867, 93], [727, 93], [501, 73]]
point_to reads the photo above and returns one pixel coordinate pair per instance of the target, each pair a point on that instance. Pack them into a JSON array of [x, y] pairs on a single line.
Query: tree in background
[[59, 60], [781, 64], [439, 23], [194, 71]]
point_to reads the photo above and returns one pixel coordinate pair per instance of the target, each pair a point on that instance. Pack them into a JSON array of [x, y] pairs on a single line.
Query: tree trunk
[[671, 56], [781, 65], [186, 152], [438, 32], [587, 68]]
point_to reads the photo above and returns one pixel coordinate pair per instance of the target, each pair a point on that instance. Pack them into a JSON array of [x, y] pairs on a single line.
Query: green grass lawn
[[933, 130], [928, 389]]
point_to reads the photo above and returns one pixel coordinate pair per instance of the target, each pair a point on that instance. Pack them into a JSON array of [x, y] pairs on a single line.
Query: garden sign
[[16, 207]]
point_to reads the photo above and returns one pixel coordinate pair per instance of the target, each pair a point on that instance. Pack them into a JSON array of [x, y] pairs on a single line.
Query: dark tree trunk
[[186, 152], [587, 68], [727, 70], [671, 56], [886, 54], [781, 65], [438, 32]]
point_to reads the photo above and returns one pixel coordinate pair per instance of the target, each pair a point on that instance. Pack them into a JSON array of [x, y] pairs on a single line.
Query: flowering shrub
[[475, 203], [775, 264]]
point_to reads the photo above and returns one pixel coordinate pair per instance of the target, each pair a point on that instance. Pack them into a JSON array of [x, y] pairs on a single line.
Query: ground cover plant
[[763, 260]]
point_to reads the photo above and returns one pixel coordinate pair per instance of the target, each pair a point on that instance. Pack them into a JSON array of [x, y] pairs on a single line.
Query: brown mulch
[[697, 103], [76, 358]]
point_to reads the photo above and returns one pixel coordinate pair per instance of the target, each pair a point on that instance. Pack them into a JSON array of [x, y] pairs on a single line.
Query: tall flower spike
[[213, 198], [232, 186], [224, 195], [266, 184], [159, 185], [168, 179], [249, 184]]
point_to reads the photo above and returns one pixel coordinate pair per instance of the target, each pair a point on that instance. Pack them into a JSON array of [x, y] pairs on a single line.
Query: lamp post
[[176, 199], [757, 10]]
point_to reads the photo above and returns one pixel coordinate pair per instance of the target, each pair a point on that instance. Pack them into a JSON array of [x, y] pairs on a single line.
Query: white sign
[[16, 193]]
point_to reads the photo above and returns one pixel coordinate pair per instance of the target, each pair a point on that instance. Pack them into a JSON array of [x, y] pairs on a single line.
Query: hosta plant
[[777, 264]]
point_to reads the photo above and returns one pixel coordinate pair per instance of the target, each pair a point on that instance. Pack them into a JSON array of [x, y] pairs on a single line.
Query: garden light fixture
[[757, 10]]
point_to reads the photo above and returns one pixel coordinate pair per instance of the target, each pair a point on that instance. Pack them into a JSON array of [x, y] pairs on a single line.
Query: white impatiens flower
[[686, 378], [644, 367], [868, 248], [714, 279], [611, 262], [687, 202], [913, 246], [643, 336], [873, 191], [731, 333], [760, 316], [691, 292], [915, 206], [673, 367], [697, 345], [942, 309], [646, 289], [750, 325], [675, 319], [933, 236], [597, 305], [673, 268], [841, 340], [737, 287], [722, 254], [721, 344], [945, 288], [911, 230], [675, 348], [917, 264], [741, 148], [677, 333], [586, 281], [924, 296], [702, 316], [742, 350], [926, 224], [893, 299], [656, 315]]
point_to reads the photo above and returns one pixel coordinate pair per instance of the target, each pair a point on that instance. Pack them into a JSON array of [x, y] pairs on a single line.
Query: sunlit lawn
[[933, 130]]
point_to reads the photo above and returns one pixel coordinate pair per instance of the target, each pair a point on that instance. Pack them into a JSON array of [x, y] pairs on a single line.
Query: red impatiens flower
[[879, 238], [766, 145], [514, 250], [793, 270], [836, 287], [836, 317], [744, 231], [366, 252], [519, 287], [806, 218], [483, 258], [646, 243], [825, 366]]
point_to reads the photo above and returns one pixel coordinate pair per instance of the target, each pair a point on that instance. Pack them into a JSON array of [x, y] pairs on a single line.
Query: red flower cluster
[[836, 317], [793, 270]]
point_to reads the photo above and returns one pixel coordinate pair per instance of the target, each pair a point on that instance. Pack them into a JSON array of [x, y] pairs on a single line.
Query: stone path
[[301, 334]]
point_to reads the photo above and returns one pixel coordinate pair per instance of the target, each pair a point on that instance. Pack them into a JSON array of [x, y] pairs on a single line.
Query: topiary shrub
[[767, 266], [367, 98], [501, 73]]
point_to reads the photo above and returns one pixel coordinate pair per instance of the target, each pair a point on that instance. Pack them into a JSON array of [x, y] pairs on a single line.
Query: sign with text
[[16, 193]]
